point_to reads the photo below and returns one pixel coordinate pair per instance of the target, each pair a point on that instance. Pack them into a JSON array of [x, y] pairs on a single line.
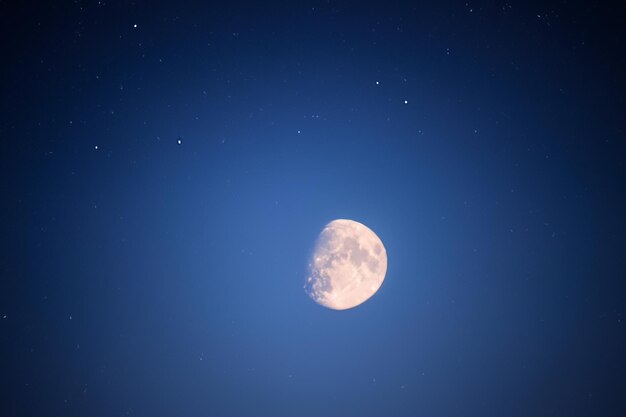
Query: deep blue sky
[[146, 277]]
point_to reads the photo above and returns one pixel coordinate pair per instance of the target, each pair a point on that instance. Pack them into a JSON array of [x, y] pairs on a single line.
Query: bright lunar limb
[[347, 267]]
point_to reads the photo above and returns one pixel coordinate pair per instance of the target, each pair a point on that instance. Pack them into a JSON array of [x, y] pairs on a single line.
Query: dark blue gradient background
[[151, 278]]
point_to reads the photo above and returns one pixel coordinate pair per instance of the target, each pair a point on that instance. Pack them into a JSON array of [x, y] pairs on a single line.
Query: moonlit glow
[[347, 267]]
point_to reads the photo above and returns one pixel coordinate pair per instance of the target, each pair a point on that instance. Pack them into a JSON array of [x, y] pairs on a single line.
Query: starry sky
[[167, 166]]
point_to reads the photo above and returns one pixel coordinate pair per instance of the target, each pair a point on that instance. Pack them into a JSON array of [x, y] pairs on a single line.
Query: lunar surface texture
[[347, 267]]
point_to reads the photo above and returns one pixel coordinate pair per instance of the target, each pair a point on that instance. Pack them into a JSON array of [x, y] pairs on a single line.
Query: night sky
[[166, 169]]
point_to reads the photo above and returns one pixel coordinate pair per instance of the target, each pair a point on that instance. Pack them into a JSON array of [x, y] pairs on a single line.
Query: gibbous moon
[[347, 267]]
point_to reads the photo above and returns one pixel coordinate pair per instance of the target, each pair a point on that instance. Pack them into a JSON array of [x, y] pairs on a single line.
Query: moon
[[347, 267]]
